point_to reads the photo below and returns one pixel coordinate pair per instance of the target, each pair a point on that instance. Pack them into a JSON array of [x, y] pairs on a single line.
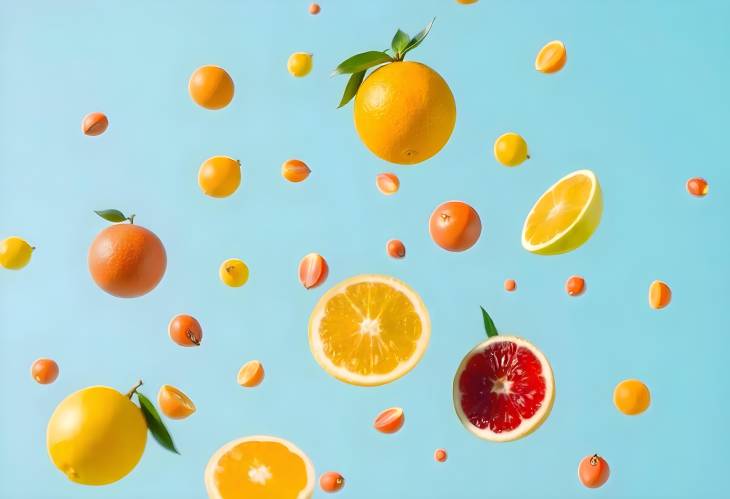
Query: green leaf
[[111, 215], [155, 424], [353, 84], [416, 41], [489, 326], [361, 62], [400, 41]]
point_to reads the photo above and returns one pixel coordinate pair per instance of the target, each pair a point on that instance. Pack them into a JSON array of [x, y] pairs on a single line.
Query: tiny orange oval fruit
[[44, 371], [251, 374], [94, 124], [440, 455], [552, 57], [660, 294], [387, 183], [295, 170], [631, 397], [313, 270], [211, 87], [219, 176], [185, 330], [510, 285], [395, 249], [455, 226], [314, 9], [331, 481], [698, 187], [575, 285], [593, 471], [174, 403], [390, 420]]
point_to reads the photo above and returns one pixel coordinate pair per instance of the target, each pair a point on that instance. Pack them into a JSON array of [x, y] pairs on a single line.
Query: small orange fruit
[[251, 374], [632, 397], [455, 226], [127, 260], [331, 481], [575, 285], [387, 183], [174, 403], [211, 87], [440, 455], [467, 2], [390, 420], [593, 471], [94, 124], [219, 176], [395, 249], [551, 58], [295, 170], [185, 330], [299, 64], [314, 9], [313, 270], [510, 285], [660, 294], [44, 371], [698, 187]]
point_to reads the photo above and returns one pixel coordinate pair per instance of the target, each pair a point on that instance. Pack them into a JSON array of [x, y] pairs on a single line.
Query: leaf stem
[[134, 389], [131, 218]]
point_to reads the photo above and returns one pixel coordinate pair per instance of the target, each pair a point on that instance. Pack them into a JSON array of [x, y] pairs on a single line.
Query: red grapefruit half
[[504, 389]]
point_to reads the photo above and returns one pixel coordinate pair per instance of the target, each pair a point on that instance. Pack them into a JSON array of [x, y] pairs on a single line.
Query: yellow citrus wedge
[[565, 216], [260, 467], [551, 58], [369, 330]]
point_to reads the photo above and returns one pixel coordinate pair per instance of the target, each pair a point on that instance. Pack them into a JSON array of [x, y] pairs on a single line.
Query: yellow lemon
[[96, 436], [15, 253], [233, 272], [510, 149], [219, 176], [404, 112], [299, 64]]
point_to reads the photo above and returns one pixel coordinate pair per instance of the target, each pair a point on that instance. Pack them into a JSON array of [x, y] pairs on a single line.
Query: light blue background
[[643, 101]]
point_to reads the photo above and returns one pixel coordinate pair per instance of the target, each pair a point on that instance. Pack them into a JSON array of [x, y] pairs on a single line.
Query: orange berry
[[44, 371], [575, 285], [390, 420], [251, 374], [455, 226], [174, 403], [313, 270], [185, 330], [387, 183], [440, 455], [395, 249], [314, 10], [698, 187], [331, 481], [510, 285], [94, 124], [211, 87], [659, 295], [593, 471], [295, 170]]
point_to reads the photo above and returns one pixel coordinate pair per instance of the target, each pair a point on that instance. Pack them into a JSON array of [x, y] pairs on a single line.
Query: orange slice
[[551, 58], [369, 330], [259, 467]]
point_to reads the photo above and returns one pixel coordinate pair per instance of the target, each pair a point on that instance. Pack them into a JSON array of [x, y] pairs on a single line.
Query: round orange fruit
[[211, 87], [455, 226], [404, 112]]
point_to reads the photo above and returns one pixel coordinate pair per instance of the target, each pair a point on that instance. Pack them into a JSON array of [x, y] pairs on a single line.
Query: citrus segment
[[259, 467], [503, 389], [565, 216], [551, 58], [369, 330]]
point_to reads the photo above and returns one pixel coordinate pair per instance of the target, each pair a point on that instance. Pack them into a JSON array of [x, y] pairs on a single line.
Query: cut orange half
[[565, 216], [552, 57], [259, 467], [369, 330]]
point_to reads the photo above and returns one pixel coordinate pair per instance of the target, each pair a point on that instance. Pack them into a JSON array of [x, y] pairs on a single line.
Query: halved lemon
[[259, 467], [565, 216], [369, 330]]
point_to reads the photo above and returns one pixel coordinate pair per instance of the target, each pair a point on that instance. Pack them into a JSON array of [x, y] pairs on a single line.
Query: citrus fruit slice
[[260, 467], [565, 216], [369, 330], [503, 389], [551, 58]]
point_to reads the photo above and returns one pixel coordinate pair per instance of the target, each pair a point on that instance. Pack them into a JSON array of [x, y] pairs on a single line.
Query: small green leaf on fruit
[[361, 62], [353, 84], [489, 326], [111, 215], [400, 42], [155, 424], [416, 41]]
